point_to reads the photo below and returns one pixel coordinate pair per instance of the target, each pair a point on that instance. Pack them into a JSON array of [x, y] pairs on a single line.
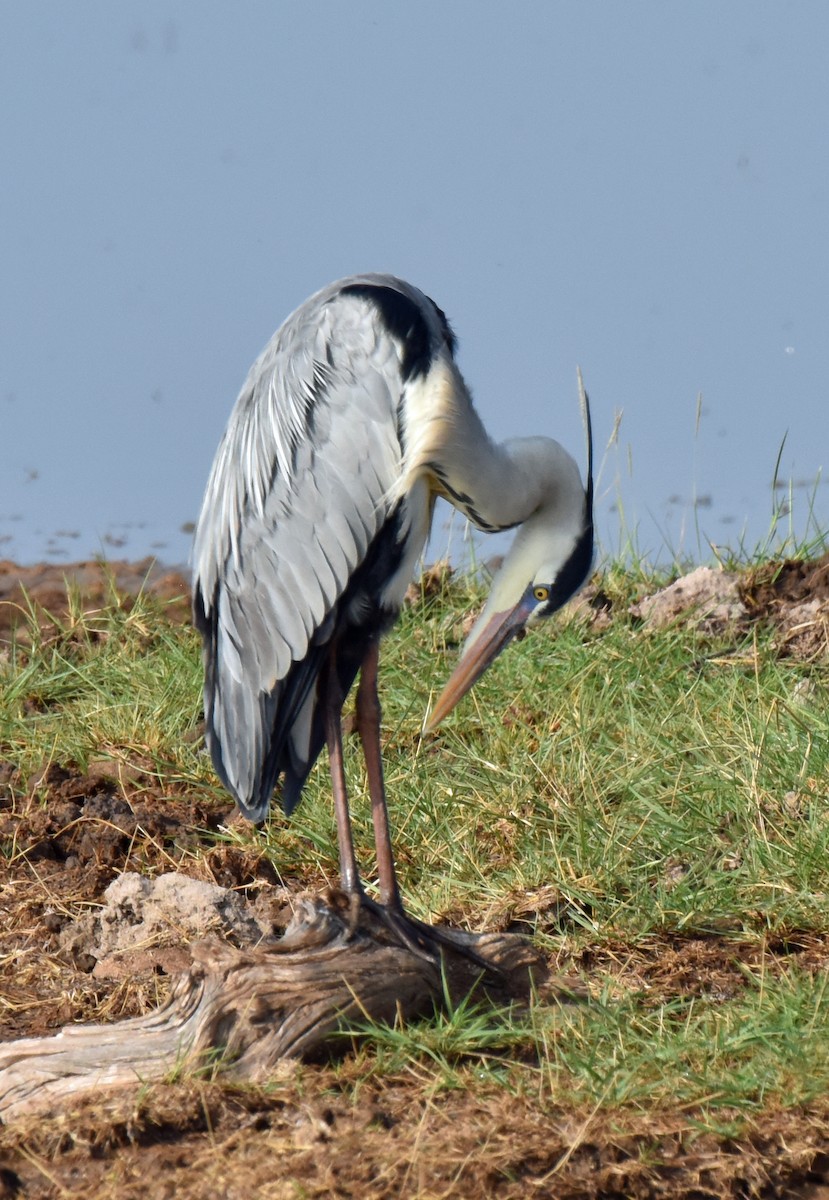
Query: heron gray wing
[[297, 492]]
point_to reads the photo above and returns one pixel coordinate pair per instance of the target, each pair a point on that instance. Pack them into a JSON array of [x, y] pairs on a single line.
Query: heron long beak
[[498, 632]]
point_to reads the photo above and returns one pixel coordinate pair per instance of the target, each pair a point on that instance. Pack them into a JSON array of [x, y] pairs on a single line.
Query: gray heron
[[351, 422]]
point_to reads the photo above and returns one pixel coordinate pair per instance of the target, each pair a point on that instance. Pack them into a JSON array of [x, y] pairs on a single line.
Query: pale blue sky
[[639, 188]]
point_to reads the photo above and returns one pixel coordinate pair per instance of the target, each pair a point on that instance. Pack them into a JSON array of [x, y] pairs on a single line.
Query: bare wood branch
[[241, 1011]]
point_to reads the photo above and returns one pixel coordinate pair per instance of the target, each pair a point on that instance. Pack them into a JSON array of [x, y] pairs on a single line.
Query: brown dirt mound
[[67, 834], [45, 589], [794, 596], [794, 581], [201, 1140]]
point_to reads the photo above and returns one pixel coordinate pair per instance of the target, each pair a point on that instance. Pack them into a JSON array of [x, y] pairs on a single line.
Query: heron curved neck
[[522, 480], [498, 485], [535, 484]]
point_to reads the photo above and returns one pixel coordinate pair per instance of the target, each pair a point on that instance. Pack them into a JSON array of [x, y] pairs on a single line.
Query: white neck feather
[[507, 480], [531, 482], [544, 479]]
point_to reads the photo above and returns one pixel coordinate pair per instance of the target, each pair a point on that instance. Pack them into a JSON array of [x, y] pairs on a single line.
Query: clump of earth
[[46, 589]]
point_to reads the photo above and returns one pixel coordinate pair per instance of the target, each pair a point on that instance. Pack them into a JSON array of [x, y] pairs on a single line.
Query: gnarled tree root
[[240, 1011]]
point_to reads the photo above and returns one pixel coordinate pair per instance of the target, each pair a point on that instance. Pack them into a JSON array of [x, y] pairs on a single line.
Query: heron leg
[[349, 871], [368, 725], [426, 941]]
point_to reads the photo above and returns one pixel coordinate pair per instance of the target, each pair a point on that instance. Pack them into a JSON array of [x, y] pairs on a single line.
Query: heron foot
[[427, 942]]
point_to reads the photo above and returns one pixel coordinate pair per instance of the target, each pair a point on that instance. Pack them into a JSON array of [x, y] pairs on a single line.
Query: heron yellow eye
[[541, 593]]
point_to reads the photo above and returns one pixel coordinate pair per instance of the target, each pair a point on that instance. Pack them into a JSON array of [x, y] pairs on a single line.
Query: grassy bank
[[649, 804]]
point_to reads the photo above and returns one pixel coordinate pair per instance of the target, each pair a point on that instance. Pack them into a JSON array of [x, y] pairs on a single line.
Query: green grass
[[607, 766], [653, 784], [119, 683], [769, 1046]]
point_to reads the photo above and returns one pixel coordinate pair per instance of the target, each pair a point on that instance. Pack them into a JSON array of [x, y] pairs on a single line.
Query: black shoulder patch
[[404, 320]]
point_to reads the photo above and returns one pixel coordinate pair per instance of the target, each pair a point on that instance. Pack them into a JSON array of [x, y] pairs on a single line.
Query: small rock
[[712, 596], [141, 914]]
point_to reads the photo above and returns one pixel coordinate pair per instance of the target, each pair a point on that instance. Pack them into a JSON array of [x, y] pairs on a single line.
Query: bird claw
[[426, 942]]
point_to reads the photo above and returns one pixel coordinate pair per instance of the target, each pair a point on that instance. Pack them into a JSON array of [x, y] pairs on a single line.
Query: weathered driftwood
[[240, 1011]]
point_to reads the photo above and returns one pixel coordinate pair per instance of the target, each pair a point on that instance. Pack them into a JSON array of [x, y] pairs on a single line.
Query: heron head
[[549, 561], [543, 594]]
